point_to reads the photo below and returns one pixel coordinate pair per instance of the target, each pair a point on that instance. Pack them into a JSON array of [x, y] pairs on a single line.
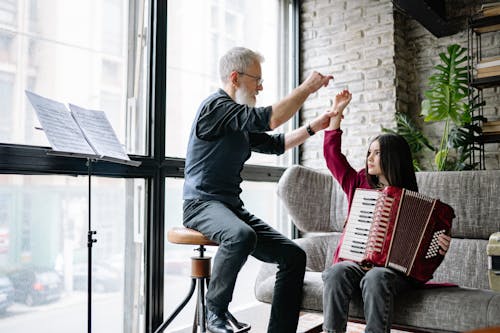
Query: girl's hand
[[340, 102], [444, 243]]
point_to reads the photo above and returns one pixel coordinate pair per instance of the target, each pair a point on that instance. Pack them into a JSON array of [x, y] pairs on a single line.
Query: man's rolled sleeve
[[267, 143]]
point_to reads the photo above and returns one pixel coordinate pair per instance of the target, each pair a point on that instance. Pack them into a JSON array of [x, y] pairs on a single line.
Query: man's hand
[[315, 81], [288, 106]]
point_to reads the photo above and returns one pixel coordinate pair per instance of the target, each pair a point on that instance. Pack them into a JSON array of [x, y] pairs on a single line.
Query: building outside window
[[73, 52]]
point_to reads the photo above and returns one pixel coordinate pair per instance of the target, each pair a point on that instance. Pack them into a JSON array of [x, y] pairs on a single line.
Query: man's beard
[[244, 96]]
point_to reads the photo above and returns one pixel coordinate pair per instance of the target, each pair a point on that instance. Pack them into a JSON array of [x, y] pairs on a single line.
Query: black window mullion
[[155, 228], [33, 160]]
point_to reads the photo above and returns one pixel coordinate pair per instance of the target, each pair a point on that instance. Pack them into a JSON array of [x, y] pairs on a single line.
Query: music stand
[[80, 133]]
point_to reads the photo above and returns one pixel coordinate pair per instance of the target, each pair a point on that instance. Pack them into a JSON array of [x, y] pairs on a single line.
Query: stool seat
[[181, 235]]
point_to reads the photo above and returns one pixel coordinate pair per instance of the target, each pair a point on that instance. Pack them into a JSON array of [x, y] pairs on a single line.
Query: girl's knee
[[335, 273], [375, 279]]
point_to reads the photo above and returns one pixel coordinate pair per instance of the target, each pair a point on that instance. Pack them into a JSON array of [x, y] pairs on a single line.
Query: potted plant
[[447, 101]]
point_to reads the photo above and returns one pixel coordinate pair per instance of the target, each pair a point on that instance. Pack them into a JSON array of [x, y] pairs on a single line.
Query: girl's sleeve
[[337, 163]]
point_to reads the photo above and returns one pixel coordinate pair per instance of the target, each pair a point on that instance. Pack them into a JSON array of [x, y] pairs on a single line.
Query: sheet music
[[79, 132], [61, 130], [98, 131]]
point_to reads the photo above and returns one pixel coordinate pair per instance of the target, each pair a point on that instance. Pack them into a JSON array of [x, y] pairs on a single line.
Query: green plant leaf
[[440, 159]]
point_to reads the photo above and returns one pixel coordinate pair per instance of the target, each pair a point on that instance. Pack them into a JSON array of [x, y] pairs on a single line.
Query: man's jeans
[[377, 286], [240, 234]]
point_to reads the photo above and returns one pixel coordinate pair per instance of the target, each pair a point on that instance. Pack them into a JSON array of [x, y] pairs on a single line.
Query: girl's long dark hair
[[396, 163]]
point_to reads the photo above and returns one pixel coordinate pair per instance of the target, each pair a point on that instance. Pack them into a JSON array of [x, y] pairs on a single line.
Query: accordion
[[396, 228]]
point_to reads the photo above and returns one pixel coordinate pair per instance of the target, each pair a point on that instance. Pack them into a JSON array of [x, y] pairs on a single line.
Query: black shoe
[[218, 324], [238, 325]]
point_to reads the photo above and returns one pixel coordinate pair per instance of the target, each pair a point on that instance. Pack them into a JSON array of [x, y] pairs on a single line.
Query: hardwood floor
[[258, 315]]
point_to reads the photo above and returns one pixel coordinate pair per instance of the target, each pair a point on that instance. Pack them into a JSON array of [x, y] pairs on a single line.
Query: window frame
[[155, 166]]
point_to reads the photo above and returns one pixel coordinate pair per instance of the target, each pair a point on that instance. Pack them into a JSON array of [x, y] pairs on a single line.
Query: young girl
[[388, 162]]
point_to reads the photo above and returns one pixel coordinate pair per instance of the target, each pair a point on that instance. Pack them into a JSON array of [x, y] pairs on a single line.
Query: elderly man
[[226, 129]]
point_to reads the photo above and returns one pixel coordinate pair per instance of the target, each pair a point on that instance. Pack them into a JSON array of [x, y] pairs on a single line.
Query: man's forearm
[[295, 137], [288, 106]]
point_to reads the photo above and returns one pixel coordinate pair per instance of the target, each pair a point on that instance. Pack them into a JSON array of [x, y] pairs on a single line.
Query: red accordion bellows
[[396, 228]]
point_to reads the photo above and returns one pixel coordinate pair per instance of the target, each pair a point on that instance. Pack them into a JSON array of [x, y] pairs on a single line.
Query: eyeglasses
[[259, 80]]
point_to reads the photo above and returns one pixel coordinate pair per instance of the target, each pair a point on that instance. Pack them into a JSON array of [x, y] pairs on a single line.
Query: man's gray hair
[[237, 59]]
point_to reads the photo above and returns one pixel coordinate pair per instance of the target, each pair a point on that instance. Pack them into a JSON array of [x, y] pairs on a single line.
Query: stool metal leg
[[202, 320], [200, 271], [179, 308], [195, 319]]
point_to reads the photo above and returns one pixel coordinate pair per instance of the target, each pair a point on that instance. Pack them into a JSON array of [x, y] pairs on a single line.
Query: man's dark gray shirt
[[223, 135]]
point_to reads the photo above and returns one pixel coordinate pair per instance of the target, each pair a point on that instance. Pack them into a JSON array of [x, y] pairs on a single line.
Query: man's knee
[[244, 240], [299, 256], [294, 255]]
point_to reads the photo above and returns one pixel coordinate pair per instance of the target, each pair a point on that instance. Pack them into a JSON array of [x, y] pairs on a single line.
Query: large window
[[50, 48], [74, 52], [194, 47], [43, 252], [147, 64]]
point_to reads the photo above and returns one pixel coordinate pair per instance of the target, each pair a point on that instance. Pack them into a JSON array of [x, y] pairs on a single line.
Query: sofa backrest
[[316, 203], [474, 195]]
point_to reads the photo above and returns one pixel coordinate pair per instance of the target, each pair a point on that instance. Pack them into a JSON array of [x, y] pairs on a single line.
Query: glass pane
[[194, 47], [261, 200], [44, 254], [54, 51]]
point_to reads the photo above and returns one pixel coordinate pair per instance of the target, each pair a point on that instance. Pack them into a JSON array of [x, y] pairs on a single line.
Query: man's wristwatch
[[310, 130]]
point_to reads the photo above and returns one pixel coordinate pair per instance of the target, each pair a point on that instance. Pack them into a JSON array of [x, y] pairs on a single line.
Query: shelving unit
[[477, 27]]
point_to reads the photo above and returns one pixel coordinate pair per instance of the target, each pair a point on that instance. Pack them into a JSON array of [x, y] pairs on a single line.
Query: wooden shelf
[[489, 138], [486, 82], [478, 25], [485, 24]]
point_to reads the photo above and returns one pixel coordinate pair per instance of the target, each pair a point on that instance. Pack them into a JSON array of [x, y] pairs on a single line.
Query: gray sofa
[[317, 206]]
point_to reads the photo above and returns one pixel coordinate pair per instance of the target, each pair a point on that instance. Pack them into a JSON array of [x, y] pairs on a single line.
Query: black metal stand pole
[[90, 241]]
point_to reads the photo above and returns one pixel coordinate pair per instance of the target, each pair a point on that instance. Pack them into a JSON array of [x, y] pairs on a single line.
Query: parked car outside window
[[36, 285], [6, 293], [105, 278]]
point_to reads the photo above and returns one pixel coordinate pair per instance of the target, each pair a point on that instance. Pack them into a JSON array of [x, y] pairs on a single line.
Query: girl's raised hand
[[341, 100]]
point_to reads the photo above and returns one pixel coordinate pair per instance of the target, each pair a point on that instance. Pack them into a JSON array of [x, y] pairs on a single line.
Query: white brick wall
[[385, 59], [353, 40]]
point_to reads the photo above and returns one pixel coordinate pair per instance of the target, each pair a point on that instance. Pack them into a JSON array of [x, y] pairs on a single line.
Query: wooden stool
[[200, 274]]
